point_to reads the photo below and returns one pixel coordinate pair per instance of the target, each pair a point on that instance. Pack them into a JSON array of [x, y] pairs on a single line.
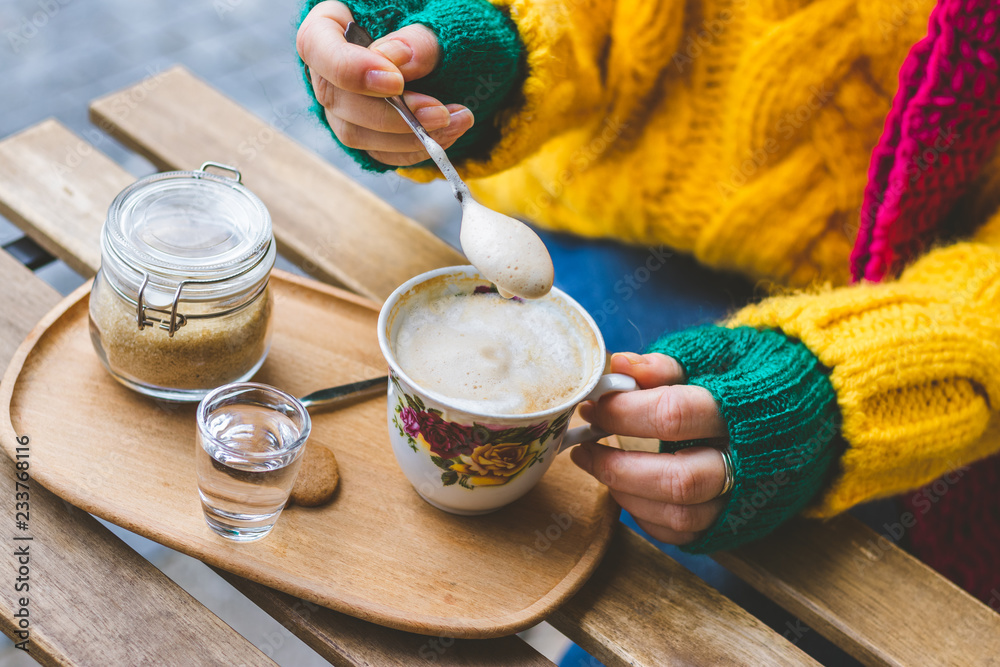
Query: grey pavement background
[[57, 55]]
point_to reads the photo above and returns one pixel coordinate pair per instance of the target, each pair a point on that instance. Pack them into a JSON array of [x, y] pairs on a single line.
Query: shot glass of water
[[250, 441]]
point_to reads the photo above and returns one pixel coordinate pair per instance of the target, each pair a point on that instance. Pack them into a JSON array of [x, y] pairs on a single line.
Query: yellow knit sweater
[[741, 132]]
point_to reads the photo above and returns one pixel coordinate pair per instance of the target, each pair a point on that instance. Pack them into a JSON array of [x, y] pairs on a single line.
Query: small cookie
[[318, 477]]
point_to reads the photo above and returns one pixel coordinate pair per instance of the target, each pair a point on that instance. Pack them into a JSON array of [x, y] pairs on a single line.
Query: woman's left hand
[[673, 497]]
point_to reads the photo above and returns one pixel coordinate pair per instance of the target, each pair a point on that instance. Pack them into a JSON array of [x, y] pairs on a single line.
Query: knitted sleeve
[[915, 364], [781, 414], [528, 69], [480, 62]]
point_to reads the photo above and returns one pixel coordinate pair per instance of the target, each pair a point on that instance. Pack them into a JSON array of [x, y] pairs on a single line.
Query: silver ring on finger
[[730, 481]]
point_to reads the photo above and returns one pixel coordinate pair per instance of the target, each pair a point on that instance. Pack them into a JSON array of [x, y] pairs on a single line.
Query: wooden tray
[[377, 552]]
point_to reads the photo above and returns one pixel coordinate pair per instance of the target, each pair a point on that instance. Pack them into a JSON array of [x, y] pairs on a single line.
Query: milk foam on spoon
[[506, 251]]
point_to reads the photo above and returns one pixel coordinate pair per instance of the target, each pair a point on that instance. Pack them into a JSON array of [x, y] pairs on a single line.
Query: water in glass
[[245, 469]]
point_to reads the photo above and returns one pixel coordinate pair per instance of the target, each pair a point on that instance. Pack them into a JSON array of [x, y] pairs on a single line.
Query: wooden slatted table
[[94, 595]]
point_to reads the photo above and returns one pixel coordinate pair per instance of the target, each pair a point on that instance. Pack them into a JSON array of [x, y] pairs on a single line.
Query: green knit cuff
[[783, 421], [481, 63]]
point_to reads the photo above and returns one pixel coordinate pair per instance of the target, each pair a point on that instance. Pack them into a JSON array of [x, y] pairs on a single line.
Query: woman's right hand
[[351, 82]]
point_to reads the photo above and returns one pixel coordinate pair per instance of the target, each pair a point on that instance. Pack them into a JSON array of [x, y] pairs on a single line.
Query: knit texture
[[915, 364], [781, 412], [741, 133], [479, 67], [955, 527], [738, 132], [944, 124]]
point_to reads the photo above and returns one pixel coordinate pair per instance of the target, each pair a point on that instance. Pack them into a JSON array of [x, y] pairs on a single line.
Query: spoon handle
[[355, 34], [335, 397]]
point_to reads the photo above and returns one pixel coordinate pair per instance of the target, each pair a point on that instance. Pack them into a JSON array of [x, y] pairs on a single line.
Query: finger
[[664, 534], [461, 121], [413, 49], [674, 412], [354, 136], [689, 477], [678, 518], [323, 48], [649, 370], [375, 114]]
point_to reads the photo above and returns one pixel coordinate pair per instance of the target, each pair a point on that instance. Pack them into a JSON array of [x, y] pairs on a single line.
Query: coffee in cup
[[489, 354], [481, 389]]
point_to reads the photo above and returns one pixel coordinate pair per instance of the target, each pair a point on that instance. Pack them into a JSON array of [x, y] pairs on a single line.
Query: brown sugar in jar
[[181, 304]]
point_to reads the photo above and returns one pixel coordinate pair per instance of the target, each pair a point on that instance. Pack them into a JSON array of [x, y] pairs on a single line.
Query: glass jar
[[181, 303]]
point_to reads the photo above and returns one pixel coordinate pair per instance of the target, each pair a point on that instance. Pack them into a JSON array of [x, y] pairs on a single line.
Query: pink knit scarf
[[944, 124]]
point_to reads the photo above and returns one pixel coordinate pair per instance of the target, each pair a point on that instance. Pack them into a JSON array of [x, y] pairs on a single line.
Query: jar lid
[[189, 225]]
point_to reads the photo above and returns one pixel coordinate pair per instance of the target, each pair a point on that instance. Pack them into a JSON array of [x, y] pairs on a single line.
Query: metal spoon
[[334, 398], [505, 250]]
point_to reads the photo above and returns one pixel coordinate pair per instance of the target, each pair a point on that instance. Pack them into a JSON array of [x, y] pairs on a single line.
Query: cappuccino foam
[[488, 354]]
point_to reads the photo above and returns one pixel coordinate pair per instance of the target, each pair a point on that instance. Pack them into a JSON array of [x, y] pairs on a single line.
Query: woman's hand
[[673, 497], [351, 82]]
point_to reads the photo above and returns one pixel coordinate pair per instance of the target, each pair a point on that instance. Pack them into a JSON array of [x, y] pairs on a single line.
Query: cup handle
[[607, 384]]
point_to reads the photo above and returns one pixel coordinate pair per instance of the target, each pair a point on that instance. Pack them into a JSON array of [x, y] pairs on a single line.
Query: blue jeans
[[635, 294]]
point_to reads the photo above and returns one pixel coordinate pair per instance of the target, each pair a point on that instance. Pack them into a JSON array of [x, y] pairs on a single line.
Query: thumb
[[649, 370], [413, 49]]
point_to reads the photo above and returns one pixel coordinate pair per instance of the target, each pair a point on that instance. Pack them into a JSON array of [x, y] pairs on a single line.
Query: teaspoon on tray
[[334, 398], [505, 250]]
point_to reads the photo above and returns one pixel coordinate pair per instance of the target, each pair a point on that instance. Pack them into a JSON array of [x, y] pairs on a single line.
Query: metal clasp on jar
[[176, 321]]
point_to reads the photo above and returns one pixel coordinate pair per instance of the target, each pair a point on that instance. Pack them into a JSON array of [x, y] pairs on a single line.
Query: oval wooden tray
[[377, 552]]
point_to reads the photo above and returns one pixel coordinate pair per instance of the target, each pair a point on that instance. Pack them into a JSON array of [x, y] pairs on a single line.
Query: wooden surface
[[852, 608], [60, 207], [344, 640], [870, 598], [327, 224], [377, 552], [92, 599], [37, 153], [636, 610]]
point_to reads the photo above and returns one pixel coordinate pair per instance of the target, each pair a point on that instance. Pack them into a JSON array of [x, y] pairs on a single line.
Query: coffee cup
[[470, 440]]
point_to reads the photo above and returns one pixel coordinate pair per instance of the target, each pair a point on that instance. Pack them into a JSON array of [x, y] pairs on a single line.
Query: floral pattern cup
[[473, 463]]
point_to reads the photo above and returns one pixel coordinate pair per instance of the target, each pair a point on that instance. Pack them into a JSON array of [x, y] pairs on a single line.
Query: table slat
[[357, 642], [874, 600], [39, 147], [91, 599], [48, 158], [642, 608], [180, 116], [326, 223]]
